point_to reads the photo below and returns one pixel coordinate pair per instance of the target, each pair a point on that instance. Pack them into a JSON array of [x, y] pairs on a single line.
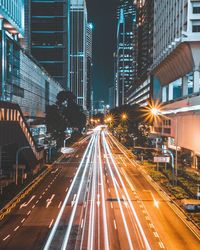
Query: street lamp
[[66, 140], [17, 162], [124, 117], [156, 112]]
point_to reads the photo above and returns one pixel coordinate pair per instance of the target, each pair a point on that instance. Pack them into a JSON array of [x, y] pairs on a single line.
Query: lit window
[[196, 28]]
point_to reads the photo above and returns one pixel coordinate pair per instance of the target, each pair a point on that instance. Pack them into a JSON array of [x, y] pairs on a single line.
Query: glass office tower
[[78, 56], [50, 37], [126, 50]]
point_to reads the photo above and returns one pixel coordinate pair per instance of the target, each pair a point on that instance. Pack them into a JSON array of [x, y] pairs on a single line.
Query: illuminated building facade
[[78, 48], [50, 37], [23, 80], [89, 66], [140, 91], [176, 72], [126, 65]]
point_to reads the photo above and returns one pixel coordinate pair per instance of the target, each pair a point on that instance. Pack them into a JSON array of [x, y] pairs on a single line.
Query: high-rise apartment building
[[176, 72], [140, 91], [89, 65], [78, 54], [50, 37], [126, 65]]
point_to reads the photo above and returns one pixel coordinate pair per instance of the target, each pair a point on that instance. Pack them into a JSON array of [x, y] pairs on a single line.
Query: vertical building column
[[0, 161], [3, 60], [170, 92], [196, 81], [194, 160], [185, 86], [164, 94]]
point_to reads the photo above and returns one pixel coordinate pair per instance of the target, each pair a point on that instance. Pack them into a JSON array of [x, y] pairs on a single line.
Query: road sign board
[[161, 159]]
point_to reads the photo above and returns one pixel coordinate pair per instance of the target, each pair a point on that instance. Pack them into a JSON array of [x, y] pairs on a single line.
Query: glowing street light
[[124, 117], [154, 112]]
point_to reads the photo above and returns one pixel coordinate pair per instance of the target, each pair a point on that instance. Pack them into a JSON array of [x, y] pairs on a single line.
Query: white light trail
[[105, 223], [67, 233], [118, 198], [92, 216], [55, 226], [127, 195]]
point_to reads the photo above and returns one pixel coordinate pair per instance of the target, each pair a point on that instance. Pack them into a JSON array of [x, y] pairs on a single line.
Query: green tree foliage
[[133, 127], [65, 113]]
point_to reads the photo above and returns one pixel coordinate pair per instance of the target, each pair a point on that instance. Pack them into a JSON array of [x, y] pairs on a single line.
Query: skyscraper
[[89, 66], [78, 55], [50, 37], [141, 89], [176, 73], [126, 66]]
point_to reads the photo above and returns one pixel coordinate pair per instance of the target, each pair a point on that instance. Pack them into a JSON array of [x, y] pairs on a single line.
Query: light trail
[[118, 198], [70, 223], [56, 224], [127, 195], [92, 201], [105, 223]]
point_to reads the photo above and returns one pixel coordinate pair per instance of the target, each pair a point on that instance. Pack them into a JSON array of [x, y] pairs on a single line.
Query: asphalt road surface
[[99, 198]]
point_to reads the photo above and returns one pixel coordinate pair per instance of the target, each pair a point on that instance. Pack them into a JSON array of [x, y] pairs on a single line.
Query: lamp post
[[17, 162], [66, 140], [156, 112]]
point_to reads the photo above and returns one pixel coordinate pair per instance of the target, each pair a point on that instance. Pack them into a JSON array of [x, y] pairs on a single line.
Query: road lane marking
[[59, 204], [16, 228], [109, 190], [22, 220], [161, 244], [51, 223], [115, 225], [29, 212], [37, 201], [156, 234], [151, 225], [33, 206], [49, 201], [25, 204], [111, 205], [66, 189], [6, 237]]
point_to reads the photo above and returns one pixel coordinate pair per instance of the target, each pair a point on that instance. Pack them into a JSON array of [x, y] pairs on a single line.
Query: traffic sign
[[161, 159]]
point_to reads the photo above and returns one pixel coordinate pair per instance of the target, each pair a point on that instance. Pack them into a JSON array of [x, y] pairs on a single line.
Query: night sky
[[102, 13]]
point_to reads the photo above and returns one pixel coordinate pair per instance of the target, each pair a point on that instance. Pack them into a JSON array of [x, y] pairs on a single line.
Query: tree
[[65, 113], [134, 126]]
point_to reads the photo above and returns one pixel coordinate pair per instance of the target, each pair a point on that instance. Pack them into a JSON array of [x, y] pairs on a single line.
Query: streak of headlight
[[117, 194], [105, 223], [92, 206], [55, 226], [127, 195], [70, 223]]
